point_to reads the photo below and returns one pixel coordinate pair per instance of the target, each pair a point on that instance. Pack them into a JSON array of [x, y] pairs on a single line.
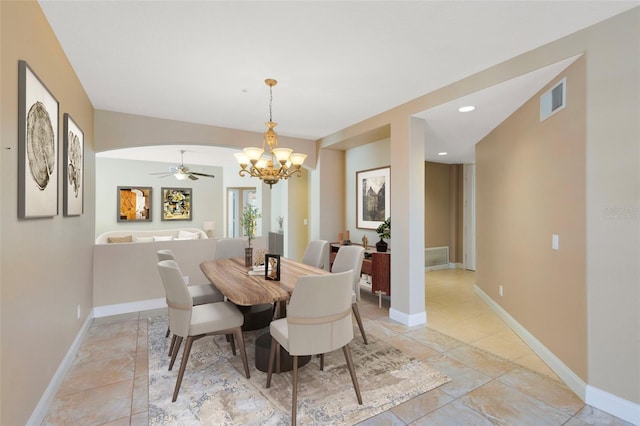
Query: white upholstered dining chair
[[201, 293], [350, 258], [194, 322], [230, 247], [318, 321], [316, 254]]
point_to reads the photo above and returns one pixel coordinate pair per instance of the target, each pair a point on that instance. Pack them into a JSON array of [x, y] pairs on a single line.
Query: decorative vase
[[248, 256], [381, 246]]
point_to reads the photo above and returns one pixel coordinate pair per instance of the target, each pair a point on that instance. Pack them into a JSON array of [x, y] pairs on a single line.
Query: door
[[237, 199]]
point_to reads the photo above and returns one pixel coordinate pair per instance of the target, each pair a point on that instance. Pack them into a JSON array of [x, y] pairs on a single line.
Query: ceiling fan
[[182, 172]]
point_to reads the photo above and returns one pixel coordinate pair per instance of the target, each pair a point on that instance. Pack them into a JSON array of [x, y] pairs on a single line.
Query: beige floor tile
[[92, 374], [592, 416], [481, 361], [453, 414], [543, 389], [503, 347], [125, 421], [92, 407], [421, 405], [140, 400], [507, 406], [140, 419], [434, 339], [463, 378], [532, 362]]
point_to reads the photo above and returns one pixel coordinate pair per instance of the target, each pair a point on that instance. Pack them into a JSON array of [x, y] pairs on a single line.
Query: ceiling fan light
[[181, 176], [297, 158], [253, 153]]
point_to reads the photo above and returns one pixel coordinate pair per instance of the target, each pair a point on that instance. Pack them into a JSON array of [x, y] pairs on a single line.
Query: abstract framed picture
[[37, 146], [134, 204], [176, 203], [373, 204], [73, 187]]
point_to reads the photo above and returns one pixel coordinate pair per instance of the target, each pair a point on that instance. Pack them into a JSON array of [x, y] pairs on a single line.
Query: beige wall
[[297, 212], [443, 192], [46, 263], [530, 183], [437, 199]]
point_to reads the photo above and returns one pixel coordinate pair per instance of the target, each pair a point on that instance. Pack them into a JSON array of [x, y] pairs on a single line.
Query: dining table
[[244, 287]]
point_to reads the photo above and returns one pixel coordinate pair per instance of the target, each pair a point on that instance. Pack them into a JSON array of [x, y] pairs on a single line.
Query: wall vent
[[553, 100], [436, 257]]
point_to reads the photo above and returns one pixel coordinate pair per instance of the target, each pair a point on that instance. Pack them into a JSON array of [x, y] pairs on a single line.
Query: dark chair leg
[[173, 342], [352, 371], [294, 397], [168, 332], [183, 366], [174, 354], [243, 352], [356, 313], [272, 356], [233, 344], [321, 362]]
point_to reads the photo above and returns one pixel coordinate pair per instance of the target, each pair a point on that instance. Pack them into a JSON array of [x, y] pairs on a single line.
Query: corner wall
[[46, 264]]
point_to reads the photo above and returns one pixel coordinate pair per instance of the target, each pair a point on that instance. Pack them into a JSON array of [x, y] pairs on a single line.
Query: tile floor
[[496, 378]]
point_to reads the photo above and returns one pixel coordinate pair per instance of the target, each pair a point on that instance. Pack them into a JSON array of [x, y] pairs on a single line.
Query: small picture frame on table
[[272, 267]]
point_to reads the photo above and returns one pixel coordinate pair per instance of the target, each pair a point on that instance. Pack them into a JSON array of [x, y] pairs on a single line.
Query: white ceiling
[[337, 62]]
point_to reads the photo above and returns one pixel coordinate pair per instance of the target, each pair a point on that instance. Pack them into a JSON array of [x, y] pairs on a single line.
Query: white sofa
[[125, 275], [137, 236]]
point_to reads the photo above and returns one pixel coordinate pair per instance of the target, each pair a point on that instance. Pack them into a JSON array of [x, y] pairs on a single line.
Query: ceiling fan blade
[[164, 174], [192, 177], [202, 174]]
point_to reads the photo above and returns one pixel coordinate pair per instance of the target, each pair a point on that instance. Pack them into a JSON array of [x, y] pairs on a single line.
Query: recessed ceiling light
[[442, 153], [466, 108]]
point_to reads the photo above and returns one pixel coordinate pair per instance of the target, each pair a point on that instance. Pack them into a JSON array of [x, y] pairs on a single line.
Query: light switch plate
[[555, 242]]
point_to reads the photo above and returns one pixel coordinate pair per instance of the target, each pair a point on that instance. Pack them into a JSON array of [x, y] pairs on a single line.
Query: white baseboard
[[126, 308], [595, 397], [40, 412], [612, 404], [408, 320]]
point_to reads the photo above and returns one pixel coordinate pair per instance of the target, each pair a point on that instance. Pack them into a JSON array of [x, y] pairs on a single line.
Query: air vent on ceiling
[[553, 100]]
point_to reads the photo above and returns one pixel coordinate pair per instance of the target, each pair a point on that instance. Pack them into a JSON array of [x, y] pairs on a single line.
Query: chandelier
[[278, 163]]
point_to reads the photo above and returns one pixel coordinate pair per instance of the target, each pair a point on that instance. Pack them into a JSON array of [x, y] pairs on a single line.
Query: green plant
[[384, 230], [250, 215]]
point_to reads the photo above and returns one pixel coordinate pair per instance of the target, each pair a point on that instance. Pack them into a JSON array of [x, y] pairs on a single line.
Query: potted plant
[[384, 231], [250, 215]]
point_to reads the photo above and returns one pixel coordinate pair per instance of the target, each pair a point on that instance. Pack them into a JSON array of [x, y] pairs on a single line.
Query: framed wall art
[[73, 187], [176, 204], [134, 204], [37, 146], [372, 197]]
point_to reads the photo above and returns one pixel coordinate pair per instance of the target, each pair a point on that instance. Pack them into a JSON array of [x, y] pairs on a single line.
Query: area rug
[[215, 391]]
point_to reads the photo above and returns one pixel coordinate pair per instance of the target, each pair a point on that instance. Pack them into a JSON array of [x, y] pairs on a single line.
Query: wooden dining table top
[[231, 277]]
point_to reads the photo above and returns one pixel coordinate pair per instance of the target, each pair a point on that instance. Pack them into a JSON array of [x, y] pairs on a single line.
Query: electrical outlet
[[186, 280], [500, 290], [78, 311]]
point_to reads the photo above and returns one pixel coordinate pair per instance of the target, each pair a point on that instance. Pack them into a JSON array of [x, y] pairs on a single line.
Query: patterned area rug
[[215, 391]]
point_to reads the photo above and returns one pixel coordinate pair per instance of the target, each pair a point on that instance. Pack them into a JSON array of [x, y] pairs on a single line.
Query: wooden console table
[[375, 264]]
